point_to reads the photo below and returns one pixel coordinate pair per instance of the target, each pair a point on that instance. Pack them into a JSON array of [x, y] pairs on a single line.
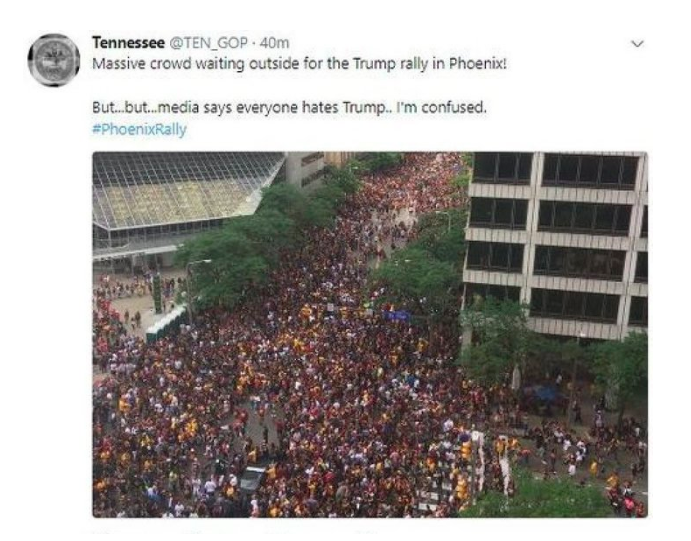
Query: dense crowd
[[358, 418]]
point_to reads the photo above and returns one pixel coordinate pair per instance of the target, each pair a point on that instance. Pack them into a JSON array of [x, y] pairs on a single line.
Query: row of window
[[501, 293], [611, 172], [567, 216], [495, 256], [580, 262], [556, 261], [313, 157], [555, 303], [503, 167], [499, 213], [565, 304], [584, 217]]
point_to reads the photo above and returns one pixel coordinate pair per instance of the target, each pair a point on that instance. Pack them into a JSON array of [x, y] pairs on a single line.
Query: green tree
[[622, 367], [345, 178], [415, 280], [443, 242], [501, 335], [293, 203], [236, 265], [375, 162], [537, 498], [462, 180], [244, 251], [545, 354]]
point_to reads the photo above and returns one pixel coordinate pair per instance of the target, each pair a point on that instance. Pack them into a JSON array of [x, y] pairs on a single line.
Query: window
[[568, 168], [611, 308], [483, 291], [557, 260], [484, 166], [546, 215], [495, 256], [604, 218], [638, 315], [642, 267], [516, 258], [563, 213], [623, 219], [579, 262], [520, 212], [593, 171], [481, 210], [616, 264], [593, 305], [503, 167], [611, 167], [584, 217], [525, 166], [644, 225], [590, 169], [507, 166], [537, 299], [574, 305], [478, 255], [551, 166], [554, 305], [628, 174], [500, 213], [598, 263], [500, 256]]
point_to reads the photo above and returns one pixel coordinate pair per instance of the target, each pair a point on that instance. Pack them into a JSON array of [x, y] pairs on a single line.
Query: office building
[[564, 233]]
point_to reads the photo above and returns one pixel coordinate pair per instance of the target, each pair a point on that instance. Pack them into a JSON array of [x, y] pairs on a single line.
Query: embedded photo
[[370, 334]]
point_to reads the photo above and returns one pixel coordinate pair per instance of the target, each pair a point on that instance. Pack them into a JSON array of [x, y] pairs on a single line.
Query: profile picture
[[53, 60]]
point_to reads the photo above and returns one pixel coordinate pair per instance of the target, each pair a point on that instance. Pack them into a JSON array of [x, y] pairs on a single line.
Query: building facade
[[565, 234], [338, 159], [304, 169], [145, 204]]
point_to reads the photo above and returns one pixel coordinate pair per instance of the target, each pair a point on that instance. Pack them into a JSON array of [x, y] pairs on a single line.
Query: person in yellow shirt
[[613, 481], [593, 468]]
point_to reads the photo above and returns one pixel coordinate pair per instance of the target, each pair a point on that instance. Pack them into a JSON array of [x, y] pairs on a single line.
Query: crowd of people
[[355, 417]]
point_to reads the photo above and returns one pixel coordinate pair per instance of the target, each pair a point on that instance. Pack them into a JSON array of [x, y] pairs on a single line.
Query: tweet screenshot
[[347, 261]]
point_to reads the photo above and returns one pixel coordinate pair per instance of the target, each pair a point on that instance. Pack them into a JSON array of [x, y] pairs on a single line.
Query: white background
[[576, 83]]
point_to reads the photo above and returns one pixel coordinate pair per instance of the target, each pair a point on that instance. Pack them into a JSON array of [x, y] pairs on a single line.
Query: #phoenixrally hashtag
[[159, 129]]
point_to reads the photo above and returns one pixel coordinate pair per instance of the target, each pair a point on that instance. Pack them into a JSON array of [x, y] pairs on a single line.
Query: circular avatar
[[53, 60]]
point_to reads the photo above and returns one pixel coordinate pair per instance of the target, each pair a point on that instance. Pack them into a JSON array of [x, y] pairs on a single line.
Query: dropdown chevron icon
[[637, 43]]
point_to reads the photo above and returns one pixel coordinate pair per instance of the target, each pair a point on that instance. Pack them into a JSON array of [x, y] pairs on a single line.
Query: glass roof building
[[149, 202]]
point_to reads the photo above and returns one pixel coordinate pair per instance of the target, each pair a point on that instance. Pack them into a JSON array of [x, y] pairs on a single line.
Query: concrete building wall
[[304, 169], [338, 159]]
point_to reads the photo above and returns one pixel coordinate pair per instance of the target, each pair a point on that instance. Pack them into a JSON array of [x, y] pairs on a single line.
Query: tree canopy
[[622, 367], [425, 276], [246, 249], [501, 338], [538, 498]]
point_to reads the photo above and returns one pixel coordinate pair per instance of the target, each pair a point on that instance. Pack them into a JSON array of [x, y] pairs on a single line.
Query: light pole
[[188, 269], [448, 215], [581, 334]]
